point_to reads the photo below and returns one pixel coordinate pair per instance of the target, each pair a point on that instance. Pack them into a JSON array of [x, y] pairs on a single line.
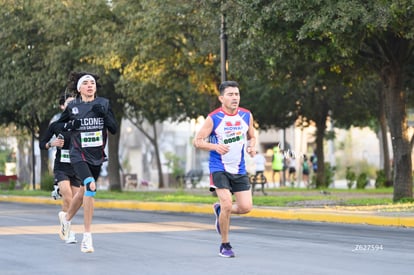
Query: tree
[[166, 66], [91, 42], [37, 55], [286, 79], [380, 34], [366, 108], [344, 33], [28, 78]]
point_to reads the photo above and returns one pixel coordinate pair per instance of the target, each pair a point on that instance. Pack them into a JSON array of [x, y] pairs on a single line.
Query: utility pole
[[223, 48], [223, 55]]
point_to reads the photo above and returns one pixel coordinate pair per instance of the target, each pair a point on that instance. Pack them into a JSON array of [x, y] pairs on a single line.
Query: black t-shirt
[[62, 161], [89, 140]]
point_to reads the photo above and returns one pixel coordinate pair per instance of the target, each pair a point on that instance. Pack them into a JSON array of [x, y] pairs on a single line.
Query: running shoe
[[55, 193], [86, 246], [64, 226], [225, 251], [72, 238], [217, 208]]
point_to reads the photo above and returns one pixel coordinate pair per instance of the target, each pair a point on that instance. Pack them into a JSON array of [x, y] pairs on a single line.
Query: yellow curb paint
[[336, 215], [24, 199], [333, 217], [397, 207]]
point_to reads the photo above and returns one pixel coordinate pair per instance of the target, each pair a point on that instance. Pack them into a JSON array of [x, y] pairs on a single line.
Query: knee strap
[[88, 191]]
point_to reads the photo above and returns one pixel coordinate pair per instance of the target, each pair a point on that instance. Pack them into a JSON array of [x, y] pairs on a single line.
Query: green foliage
[[32, 70], [329, 177], [337, 54], [10, 185], [329, 174], [289, 197], [357, 166], [381, 179], [3, 158], [350, 177], [168, 70], [368, 201], [405, 200], [272, 104], [362, 181], [292, 58], [312, 182], [47, 183], [174, 164]]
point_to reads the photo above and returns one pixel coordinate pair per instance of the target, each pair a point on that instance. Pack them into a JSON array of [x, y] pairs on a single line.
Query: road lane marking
[[114, 228]]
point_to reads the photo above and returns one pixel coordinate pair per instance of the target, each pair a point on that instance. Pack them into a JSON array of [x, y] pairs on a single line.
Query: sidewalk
[[400, 215]]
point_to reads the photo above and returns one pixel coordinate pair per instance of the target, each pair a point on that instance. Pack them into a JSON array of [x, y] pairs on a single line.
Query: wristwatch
[[49, 144]]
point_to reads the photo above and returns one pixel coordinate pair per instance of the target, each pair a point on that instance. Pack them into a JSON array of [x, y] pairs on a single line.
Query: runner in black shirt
[[66, 182], [88, 118]]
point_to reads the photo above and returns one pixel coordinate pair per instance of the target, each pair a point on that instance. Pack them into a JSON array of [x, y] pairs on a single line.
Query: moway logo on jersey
[[92, 123], [232, 127]]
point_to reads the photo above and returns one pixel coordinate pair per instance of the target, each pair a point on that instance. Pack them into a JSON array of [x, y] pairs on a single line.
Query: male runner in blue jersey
[[228, 133]]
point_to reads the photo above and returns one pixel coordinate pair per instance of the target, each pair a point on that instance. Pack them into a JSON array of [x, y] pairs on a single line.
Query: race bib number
[[92, 139], [64, 156]]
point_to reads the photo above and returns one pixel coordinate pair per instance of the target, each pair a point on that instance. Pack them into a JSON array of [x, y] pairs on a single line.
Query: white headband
[[83, 78]]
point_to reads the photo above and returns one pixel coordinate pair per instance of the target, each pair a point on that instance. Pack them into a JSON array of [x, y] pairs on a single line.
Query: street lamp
[[223, 47]]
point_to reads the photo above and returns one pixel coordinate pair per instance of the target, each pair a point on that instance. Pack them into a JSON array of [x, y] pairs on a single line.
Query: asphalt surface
[[163, 243], [399, 215]]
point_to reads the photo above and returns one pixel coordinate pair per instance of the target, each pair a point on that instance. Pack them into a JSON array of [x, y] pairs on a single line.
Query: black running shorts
[[61, 175], [85, 170], [233, 182]]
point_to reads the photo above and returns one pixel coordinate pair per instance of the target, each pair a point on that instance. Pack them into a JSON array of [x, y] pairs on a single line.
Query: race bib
[[64, 156], [91, 139]]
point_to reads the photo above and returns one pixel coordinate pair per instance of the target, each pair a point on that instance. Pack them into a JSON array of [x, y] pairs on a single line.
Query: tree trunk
[[397, 122], [113, 161], [320, 134], [320, 175], [384, 139], [33, 161], [154, 141], [23, 164], [157, 155]]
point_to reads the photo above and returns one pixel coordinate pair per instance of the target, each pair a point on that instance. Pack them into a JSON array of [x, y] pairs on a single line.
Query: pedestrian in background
[[314, 162], [230, 133], [305, 171], [292, 168], [260, 164], [277, 165]]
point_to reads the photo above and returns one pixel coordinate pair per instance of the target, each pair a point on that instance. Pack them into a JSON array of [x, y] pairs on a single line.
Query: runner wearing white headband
[[82, 79], [88, 119]]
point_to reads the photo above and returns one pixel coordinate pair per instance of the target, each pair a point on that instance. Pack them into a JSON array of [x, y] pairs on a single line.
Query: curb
[[370, 215]]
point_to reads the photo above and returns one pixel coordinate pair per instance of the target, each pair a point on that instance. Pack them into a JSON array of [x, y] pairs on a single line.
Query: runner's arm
[[43, 142], [110, 122]]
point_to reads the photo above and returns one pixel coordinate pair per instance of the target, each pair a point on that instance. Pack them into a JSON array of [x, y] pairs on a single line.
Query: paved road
[[158, 242]]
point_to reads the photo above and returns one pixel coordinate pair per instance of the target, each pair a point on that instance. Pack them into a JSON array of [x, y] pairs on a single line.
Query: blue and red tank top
[[232, 130]]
